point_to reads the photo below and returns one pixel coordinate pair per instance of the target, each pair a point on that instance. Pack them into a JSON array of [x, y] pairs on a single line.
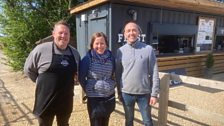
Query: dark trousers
[[62, 112], [102, 121], [47, 119], [93, 104]]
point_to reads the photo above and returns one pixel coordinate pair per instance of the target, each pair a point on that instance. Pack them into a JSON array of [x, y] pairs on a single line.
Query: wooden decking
[[193, 64]]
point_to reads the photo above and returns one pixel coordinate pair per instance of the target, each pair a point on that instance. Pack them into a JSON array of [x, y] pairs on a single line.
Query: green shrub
[[209, 61]]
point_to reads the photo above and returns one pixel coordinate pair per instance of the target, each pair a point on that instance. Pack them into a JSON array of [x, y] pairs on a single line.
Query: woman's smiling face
[[99, 45]]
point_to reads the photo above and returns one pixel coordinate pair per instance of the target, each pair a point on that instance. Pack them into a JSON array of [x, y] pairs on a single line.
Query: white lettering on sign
[[120, 37], [141, 38]]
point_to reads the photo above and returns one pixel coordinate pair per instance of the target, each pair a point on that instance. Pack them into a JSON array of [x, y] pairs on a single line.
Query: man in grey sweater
[[137, 75], [53, 66]]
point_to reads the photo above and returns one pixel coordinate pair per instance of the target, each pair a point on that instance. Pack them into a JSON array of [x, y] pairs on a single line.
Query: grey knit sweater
[[137, 70]]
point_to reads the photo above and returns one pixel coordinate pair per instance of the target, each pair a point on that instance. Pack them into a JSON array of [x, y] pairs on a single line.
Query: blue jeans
[[144, 107]]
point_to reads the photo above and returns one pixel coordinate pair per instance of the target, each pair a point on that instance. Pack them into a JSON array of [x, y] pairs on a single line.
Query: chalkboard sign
[[205, 35]]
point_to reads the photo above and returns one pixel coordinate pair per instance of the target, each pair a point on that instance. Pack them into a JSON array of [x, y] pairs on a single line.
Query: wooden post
[[163, 99]]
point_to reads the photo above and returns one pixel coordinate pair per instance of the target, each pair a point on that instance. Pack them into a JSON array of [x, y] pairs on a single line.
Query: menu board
[[205, 35]]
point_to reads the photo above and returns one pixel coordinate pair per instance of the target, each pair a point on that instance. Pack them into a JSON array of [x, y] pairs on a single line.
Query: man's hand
[[153, 101]]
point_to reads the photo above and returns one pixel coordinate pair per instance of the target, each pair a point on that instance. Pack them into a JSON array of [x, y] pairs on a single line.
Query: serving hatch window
[[173, 39], [219, 43], [175, 44]]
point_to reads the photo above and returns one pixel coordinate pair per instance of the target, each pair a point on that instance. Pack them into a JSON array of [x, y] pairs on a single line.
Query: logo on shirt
[[64, 63]]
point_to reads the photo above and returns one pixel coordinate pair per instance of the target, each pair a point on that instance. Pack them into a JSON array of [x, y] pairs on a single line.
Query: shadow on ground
[[11, 111]]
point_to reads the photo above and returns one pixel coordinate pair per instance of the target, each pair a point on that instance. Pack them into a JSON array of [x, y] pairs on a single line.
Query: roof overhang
[[205, 6]]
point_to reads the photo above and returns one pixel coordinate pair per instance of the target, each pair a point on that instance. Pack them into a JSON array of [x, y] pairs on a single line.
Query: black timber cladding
[[149, 18]]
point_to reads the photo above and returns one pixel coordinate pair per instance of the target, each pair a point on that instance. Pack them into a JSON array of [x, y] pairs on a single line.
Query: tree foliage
[[23, 22]]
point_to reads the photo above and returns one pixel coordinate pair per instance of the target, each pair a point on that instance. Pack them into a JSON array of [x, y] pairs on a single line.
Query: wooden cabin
[[182, 32]]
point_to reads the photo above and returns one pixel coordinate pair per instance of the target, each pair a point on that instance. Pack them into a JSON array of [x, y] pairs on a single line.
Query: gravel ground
[[17, 96]]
